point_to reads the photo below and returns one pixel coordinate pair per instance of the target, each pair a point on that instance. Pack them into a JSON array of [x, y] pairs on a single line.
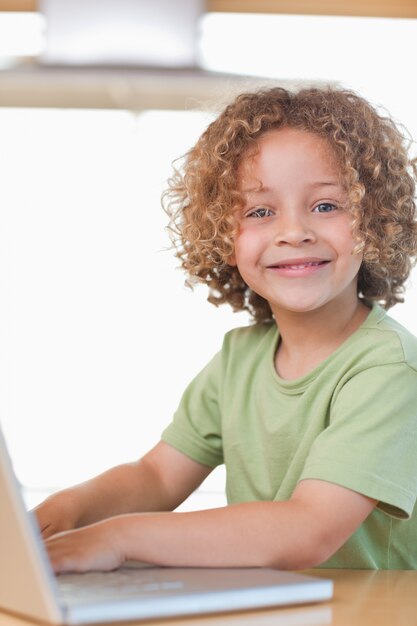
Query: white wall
[[99, 335]]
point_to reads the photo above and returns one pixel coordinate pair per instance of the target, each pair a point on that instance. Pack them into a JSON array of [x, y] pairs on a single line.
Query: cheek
[[343, 243], [357, 260], [340, 236], [352, 262], [245, 247]]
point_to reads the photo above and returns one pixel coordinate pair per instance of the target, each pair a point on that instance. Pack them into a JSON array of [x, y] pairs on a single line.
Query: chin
[[300, 307]]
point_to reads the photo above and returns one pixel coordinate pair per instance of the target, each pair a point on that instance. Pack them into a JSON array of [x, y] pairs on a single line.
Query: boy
[[299, 208]]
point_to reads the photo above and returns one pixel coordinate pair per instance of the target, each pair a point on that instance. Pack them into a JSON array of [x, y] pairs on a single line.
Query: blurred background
[[98, 335]]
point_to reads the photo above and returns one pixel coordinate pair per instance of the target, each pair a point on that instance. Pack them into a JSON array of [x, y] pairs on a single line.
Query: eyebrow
[[326, 183]]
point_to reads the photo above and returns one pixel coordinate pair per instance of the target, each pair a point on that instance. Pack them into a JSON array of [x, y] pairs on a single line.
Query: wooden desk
[[361, 598]]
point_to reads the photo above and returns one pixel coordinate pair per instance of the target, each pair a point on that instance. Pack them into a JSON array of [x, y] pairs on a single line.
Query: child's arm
[[160, 481], [300, 533]]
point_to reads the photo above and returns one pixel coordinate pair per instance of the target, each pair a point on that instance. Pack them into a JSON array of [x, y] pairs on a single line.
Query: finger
[[47, 531]]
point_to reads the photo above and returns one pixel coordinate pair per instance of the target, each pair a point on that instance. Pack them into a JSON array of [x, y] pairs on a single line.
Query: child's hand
[[91, 548], [58, 513]]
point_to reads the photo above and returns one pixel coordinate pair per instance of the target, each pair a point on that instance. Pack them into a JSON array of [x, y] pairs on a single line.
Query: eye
[[324, 207], [259, 212]]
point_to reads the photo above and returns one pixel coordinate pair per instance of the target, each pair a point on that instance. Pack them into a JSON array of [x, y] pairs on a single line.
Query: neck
[[309, 338]]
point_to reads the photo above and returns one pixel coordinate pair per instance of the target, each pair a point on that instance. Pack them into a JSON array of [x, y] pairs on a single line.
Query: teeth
[[300, 267]]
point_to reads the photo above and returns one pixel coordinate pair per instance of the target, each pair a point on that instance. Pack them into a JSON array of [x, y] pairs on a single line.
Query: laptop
[[134, 592]]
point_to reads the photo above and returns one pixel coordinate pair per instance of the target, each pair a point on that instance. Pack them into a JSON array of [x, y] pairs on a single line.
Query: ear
[[232, 261]]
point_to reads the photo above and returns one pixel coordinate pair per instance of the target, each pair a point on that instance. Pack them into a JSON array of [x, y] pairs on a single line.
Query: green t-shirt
[[351, 421]]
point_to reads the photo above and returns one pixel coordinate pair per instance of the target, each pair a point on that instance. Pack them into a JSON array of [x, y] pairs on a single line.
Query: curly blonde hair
[[376, 171]]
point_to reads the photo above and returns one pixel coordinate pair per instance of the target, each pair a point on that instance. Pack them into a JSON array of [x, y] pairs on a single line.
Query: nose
[[293, 229]]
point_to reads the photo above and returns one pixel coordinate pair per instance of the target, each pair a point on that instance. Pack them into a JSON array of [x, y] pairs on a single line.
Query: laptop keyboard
[[113, 585]]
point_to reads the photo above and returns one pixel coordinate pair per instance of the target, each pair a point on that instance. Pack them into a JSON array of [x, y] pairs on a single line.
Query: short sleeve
[[196, 426], [370, 444]]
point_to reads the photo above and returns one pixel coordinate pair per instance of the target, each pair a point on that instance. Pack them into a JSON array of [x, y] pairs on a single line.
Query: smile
[[298, 267]]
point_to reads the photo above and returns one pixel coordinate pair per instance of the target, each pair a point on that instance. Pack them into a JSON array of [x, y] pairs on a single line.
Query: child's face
[[294, 244]]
